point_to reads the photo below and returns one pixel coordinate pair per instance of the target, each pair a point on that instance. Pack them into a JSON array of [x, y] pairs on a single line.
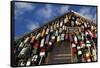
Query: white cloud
[[64, 9], [95, 17], [22, 7], [16, 37], [48, 11], [32, 25], [85, 11], [45, 12]]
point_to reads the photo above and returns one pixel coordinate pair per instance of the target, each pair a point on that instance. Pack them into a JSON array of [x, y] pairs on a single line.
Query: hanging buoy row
[[84, 44], [33, 49]]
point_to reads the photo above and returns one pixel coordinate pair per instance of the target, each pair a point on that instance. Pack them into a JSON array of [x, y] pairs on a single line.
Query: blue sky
[[29, 16]]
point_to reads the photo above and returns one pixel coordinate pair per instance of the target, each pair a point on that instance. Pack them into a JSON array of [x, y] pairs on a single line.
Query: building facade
[[70, 38]]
